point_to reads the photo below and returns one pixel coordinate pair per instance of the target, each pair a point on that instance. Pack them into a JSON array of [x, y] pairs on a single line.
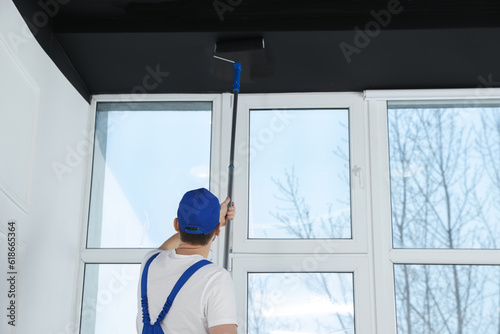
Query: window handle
[[358, 172]]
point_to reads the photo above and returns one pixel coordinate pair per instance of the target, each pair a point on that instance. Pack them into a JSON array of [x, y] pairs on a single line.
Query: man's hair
[[196, 239]]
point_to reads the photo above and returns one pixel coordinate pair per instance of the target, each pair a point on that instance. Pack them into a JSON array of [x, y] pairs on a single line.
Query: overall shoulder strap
[[183, 279], [144, 291]]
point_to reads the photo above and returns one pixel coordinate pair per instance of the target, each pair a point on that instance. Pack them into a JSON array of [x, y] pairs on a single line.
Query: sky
[[306, 146], [299, 303], [155, 157]]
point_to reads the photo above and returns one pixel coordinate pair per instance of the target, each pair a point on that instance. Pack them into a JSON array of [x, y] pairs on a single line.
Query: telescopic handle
[[236, 89], [237, 76]]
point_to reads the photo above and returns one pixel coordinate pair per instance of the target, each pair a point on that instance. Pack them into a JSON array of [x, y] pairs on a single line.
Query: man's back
[[206, 300]]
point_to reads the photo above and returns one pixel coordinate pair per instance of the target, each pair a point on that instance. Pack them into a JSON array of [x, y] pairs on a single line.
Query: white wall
[[43, 126]]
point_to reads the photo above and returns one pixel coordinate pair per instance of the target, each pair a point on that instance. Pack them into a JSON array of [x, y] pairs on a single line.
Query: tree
[[435, 203]]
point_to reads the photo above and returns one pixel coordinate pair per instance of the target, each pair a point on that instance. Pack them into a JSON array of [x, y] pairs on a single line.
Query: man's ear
[[217, 230], [176, 224]]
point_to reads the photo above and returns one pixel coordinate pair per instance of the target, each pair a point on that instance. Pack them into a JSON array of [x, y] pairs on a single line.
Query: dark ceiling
[[157, 46]]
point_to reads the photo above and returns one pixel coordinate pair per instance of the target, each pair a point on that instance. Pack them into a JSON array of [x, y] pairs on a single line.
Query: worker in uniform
[[180, 291]]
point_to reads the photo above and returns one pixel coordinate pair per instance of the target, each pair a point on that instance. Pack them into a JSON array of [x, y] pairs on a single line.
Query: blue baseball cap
[[199, 212]]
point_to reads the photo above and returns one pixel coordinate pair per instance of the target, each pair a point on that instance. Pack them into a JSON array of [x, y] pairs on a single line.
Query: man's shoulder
[[216, 269], [216, 275], [210, 270], [148, 255]]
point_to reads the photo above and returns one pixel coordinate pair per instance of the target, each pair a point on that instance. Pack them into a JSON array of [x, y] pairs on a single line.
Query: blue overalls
[[156, 328]]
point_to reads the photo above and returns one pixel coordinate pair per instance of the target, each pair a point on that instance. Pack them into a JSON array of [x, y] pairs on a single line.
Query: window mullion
[[445, 256], [381, 216], [221, 136], [114, 255]]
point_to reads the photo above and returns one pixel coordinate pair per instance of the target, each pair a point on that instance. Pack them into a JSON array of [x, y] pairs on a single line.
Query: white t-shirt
[[206, 300]]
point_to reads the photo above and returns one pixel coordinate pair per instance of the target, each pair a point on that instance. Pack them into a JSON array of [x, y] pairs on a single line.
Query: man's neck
[[190, 249]]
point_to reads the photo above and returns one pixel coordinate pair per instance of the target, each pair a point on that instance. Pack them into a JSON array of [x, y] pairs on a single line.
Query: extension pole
[[236, 90]]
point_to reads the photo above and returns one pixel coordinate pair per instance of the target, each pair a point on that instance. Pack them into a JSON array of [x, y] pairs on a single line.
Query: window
[[146, 155], [109, 298], [444, 174], [301, 239], [443, 186], [299, 184], [435, 216], [354, 215], [447, 298], [320, 293], [314, 302]]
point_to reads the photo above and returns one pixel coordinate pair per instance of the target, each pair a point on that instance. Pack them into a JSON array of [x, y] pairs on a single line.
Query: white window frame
[[135, 255], [307, 255], [355, 260], [360, 216], [357, 264], [369, 254], [385, 256]]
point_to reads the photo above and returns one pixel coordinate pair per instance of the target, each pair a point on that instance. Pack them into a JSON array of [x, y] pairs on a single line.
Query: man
[[206, 302]]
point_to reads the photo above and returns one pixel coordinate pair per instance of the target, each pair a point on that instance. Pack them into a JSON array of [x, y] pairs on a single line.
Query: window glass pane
[[146, 157], [445, 175], [286, 303], [447, 299], [299, 174], [110, 298]]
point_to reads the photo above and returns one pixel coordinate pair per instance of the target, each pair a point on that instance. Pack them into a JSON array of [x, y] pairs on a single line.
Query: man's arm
[[223, 329]]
